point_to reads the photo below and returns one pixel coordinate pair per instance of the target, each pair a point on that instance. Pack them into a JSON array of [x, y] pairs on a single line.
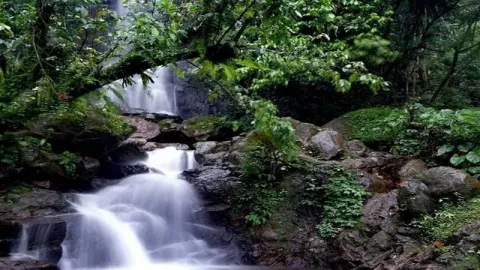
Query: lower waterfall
[[146, 221]]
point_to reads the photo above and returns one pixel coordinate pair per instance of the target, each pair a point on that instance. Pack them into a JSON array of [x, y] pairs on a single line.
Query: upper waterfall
[[156, 97]]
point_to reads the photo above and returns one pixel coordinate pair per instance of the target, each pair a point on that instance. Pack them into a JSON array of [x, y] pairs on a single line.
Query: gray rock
[[212, 182], [208, 152], [31, 203], [144, 129], [10, 264], [449, 183], [381, 213], [327, 143], [116, 171], [304, 131], [355, 148], [412, 169], [414, 199]]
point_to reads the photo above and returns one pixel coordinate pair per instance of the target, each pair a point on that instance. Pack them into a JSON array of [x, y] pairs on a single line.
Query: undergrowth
[[448, 219]]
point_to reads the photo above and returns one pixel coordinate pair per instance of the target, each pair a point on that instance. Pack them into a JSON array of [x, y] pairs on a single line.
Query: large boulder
[[207, 128], [448, 183], [112, 170], [304, 131], [27, 222], [380, 213], [412, 169], [25, 203], [214, 183], [327, 143], [211, 152], [88, 133], [414, 199], [143, 129]]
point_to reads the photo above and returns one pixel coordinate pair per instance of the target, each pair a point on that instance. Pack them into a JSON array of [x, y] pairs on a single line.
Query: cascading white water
[[157, 97], [147, 221]]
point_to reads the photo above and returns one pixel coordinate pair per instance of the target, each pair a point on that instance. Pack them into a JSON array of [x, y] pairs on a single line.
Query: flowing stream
[[143, 221], [147, 221]]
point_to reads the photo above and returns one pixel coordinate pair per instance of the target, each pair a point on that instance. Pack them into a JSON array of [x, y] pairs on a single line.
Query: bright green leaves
[[474, 155], [6, 30], [447, 148], [456, 160]]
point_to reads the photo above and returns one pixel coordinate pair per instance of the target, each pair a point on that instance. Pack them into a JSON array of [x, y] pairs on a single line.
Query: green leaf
[[474, 155], [464, 148], [457, 159], [446, 148], [229, 72], [177, 71], [474, 170], [155, 32]]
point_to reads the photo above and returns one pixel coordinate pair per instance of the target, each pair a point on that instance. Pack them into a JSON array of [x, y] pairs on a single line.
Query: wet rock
[[304, 131], [355, 148], [113, 170], [212, 182], [10, 264], [327, 144], [171, 132], [465, 232], [412, 169], [43, 237], [208, 152], [414, 199], [207, 128], [381, 213], [448, 183], [128, 150], [348, 250], [90, 137], [26, 203], [464, 248], [99, 183], [143, 129]]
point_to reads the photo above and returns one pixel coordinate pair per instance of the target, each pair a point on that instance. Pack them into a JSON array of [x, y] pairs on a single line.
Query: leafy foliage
[[69, 163], [449, 219], [343, 203], [377, 124], [272, 145]]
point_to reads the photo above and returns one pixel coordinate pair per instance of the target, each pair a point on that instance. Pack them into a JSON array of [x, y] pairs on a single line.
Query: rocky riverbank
[[401, 190]]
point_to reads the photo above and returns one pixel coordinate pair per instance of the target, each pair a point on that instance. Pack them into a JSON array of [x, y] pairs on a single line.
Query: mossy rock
[[371, 125], [87, 131], [205, 128]]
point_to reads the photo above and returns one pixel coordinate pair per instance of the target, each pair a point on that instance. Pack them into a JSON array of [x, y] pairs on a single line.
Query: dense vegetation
[[416, 62]]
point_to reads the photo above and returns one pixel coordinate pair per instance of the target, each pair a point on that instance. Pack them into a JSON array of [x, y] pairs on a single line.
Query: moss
[[449, 219], [205, 122], [20, 190], [381, 124], [82, 115], [165, 123]]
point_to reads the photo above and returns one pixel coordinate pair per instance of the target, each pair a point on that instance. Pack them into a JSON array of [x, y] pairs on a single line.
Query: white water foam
[[147, 221]]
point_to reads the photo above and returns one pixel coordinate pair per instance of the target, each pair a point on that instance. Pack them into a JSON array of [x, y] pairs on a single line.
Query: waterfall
[[147, 221], [144, 220], [156, 97]]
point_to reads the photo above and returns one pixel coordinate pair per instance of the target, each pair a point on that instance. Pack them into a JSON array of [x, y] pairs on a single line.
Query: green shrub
[[343, 203], [82, 114], [448, 219], [380, 124], [271, 147]]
